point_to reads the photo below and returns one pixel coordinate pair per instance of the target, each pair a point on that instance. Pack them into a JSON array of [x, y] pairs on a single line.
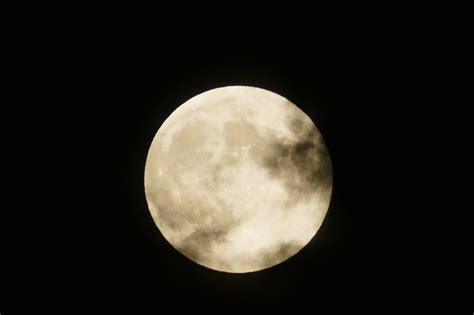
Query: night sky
[[88, 87]]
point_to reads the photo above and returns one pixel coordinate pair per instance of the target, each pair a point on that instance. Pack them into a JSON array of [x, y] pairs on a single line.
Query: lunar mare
[[238, 179]]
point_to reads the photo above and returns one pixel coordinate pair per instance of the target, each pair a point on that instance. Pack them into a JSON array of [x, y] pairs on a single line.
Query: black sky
[[89, 87]]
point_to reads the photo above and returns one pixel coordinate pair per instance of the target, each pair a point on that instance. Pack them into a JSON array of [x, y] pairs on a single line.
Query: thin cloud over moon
[[238, 179]]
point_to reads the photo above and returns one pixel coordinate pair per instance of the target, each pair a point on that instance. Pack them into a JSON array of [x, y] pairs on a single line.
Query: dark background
[[88, 87]]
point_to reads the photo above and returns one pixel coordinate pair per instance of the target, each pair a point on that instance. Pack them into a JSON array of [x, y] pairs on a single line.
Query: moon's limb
[[238, 179]]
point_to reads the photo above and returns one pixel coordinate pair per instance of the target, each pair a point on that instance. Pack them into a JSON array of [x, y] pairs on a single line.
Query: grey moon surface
[[238, 179]]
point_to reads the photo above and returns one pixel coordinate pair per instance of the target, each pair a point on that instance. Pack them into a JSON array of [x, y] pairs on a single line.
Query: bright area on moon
[[238, 179]]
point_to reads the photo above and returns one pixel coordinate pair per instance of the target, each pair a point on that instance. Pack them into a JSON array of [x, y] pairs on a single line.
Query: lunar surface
[[238, 179]]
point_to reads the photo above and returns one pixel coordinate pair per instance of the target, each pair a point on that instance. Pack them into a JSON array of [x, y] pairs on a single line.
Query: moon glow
[[238, 179]]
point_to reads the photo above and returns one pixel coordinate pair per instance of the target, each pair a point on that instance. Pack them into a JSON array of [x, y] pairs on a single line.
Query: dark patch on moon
[[279, 253], [196, 246], [303, 166]]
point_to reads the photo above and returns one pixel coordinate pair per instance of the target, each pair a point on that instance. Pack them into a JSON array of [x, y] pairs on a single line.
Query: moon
[[238, 179]]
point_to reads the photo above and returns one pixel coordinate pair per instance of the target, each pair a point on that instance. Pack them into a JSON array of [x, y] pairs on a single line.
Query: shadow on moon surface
[[303, 166], [204, 238], [280, 252]]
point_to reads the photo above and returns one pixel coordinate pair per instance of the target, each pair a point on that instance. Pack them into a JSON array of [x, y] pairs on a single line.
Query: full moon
[[238, 179]]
